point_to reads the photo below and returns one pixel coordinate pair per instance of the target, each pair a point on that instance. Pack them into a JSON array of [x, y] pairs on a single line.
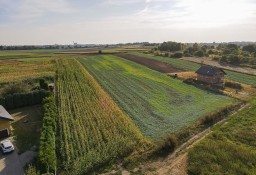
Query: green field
[[156, 103], [187, 65], [20, 54], [230, 149]]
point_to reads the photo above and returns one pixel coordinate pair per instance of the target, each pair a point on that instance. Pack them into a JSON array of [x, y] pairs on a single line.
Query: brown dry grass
[[14, 70], [184, 75]]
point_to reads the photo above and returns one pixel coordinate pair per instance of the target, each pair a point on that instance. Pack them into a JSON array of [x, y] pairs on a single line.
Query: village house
[[5, 127], [210, 74]]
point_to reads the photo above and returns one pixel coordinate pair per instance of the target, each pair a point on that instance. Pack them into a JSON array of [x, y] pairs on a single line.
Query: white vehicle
[[7, 146]]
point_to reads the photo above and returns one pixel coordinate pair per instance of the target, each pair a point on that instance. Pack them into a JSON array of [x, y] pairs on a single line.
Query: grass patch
[[35, 59], [26, 127], [230, 149]]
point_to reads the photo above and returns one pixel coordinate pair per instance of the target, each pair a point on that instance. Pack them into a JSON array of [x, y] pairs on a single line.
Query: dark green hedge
[[47, 159], [23, 99]]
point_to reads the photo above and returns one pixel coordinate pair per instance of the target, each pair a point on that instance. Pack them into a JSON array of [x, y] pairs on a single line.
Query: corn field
[[92, 129]]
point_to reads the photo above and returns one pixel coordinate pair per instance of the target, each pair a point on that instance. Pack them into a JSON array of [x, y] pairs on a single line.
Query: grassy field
[[230, 149], [16, 71], [187, 65], [93, 130], [157, 103], [34, 59], [20, 54]]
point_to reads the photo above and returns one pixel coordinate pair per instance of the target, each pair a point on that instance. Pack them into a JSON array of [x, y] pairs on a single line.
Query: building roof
[[4, 114], [209, 70]]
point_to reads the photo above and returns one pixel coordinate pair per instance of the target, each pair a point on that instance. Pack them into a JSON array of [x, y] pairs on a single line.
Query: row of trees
[[228, 53], [18, 100]]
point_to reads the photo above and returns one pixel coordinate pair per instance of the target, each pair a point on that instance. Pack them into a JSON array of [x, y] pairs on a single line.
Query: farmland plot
[[92, 128], [13, 70], [187, 65], [156, 103]]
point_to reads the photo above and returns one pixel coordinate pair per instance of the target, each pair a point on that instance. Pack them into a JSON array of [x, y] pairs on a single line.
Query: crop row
[[92, 129]]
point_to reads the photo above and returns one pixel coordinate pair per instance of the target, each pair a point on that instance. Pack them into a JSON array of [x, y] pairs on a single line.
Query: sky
[[37, 22]]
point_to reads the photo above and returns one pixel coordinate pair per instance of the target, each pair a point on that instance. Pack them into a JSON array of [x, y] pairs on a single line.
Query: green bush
[[167, 145], [31, 170], [177, 55], [15, 88], [47, 159], [233, 85], [43, 84], [9, 102], [23, 99], [2, 102]]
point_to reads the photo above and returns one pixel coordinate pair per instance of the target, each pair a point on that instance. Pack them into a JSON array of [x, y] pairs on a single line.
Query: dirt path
[[152, 64], [246, 70]]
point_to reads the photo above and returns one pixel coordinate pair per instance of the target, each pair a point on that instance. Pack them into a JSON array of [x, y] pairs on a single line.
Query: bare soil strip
[[152, 64], [245, 70]]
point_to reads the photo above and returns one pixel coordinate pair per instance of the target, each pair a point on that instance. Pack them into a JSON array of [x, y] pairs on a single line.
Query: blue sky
[[119, 21]]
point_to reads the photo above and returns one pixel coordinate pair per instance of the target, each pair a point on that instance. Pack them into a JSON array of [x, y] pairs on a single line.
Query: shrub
[[31, 170], [9, 102], [167, 145], [233, 85], [14, 88], [199, 53], [47, 159], [166, 54], [23, 99], [2, 102], [177, 55], [43, 84]]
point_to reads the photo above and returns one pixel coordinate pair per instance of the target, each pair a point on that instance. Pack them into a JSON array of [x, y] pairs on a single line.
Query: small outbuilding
[[210, 74], [5, 127]]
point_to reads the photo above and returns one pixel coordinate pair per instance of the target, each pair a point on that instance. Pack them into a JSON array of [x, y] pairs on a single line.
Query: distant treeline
[[34, 47], [223, 52]]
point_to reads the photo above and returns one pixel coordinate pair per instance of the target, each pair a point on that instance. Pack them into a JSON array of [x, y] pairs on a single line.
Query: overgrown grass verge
[[229, 149], [168, 144]]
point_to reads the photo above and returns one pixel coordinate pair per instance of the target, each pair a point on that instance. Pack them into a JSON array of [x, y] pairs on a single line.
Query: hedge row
[[47, 159], [23, 99]]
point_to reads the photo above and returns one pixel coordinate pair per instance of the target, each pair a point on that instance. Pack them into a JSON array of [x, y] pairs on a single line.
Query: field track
[[152, 64]]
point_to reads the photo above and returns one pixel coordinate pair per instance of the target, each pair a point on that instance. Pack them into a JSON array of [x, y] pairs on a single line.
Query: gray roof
[[4, 114], [209, 70]]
